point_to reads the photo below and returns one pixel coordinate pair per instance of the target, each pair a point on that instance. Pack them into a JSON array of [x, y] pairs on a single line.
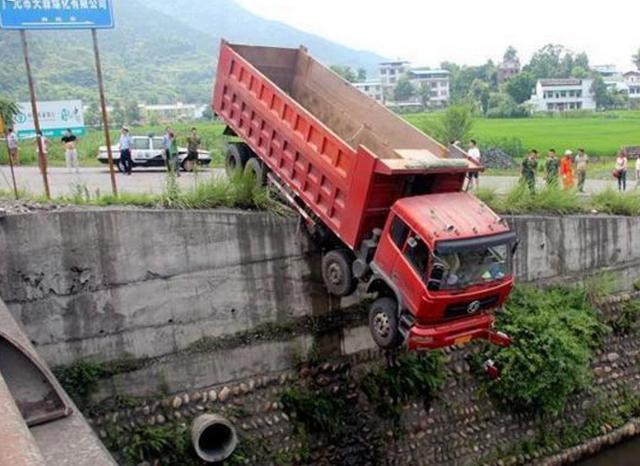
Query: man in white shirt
[[474, 154], [12, 143]]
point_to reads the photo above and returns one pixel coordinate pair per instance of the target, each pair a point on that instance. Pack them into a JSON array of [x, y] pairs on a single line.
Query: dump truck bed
[[346, 156]]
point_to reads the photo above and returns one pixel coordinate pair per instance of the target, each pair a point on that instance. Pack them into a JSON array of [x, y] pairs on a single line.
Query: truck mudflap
[[424, 338]]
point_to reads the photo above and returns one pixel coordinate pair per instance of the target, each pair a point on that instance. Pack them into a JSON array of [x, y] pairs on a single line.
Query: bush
[[554, 333], [613, 202], [454, 124], [318, 412], [413, 376], [519, 200], [80, 379]]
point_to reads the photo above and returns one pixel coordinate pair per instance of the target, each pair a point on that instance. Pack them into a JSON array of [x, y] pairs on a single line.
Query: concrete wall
[[108, 284]]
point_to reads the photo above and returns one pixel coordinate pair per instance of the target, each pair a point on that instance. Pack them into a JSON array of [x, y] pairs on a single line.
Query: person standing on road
[[69, 141], [193, 146], [637, 171], [582, 160], [566, 170], [173, 161], [42, 139], [125, 151], [474, 154], [529, 167], [551, 168], [166, 145], [12, 143], [621, 170]]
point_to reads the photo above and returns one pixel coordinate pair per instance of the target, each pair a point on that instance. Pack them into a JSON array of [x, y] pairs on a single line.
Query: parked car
[[147, 151]]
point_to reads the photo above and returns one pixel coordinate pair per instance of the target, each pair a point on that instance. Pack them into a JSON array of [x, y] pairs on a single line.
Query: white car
[[147, 151]]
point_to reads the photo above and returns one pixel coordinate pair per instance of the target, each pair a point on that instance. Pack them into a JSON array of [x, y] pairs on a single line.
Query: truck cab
[[442, 264]]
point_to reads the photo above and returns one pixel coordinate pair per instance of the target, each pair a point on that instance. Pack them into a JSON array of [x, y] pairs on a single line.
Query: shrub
[[613, 202], [319, 412], [80, 379], [519, 200], [413, 376], [554, 334]]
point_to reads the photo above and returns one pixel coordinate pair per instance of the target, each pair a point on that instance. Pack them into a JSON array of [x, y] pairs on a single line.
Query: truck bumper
[[459, 332]]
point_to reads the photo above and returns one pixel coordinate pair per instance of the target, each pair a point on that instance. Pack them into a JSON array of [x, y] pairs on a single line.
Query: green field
[[600, 134]]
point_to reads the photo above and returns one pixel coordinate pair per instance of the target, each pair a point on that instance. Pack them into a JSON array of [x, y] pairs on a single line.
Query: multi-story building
[[632, 81], [391, 71], [559, 95], [508, 68], [373, 89], [437, 80]]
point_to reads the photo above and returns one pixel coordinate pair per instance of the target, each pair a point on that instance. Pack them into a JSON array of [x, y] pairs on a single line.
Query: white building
[[173, 112], [559, 95], [391, 71], [438, 80], [632, 81], [373, 89]]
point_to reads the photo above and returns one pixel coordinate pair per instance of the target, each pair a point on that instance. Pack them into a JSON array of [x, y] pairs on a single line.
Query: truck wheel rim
[[335, 274], [381, 324]]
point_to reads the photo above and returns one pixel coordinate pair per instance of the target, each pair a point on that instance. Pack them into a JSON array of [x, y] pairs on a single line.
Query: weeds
[[613, 202], [317, 412]]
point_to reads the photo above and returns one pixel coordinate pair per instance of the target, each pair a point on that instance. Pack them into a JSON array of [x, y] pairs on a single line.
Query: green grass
[[600, 134], [518, 200]]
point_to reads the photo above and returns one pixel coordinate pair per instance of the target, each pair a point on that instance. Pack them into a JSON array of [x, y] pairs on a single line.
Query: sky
[[428, 32]]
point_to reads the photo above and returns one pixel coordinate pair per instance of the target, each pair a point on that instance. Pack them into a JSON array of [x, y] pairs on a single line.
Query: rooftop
[[560, 82]]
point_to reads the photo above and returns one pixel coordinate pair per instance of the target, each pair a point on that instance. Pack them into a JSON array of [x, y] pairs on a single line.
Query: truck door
[[410, 270]]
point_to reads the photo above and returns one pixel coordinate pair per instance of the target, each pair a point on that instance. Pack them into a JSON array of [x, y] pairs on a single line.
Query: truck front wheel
[[336, 273], [256, 169], [383, 323]]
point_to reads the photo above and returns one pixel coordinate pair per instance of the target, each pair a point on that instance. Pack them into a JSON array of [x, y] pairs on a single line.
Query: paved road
[[153, 180]]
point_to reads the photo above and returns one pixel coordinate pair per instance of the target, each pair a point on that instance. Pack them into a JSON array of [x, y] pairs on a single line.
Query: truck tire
[[235, 159], [254, 167], [383, 323], [336, 273]]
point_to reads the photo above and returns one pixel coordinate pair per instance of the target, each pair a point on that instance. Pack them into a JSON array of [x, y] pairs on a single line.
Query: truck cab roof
[[449, 216]]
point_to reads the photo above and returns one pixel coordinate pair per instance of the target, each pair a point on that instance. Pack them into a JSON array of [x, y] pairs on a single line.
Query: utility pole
[[105, 116], [34, 110]]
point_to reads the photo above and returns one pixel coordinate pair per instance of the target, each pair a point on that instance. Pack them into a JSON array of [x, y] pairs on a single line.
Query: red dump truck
[[384, 200]]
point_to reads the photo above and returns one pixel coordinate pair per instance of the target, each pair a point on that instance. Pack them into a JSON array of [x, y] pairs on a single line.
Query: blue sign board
[[56, 14]]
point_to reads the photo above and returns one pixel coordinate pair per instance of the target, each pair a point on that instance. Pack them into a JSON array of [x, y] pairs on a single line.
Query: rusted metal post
[[105, 116], [3, 130], [34, 109]]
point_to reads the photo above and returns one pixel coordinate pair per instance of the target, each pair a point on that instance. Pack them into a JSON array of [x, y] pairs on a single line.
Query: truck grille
[[462, 309]]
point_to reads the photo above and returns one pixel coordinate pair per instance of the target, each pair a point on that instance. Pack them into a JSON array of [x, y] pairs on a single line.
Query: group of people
[[571, 168], [169, 146], [69, 142]]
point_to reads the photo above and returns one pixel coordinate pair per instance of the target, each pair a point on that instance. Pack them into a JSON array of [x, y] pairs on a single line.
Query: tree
[[92, 116], [479, 94], [455, 124], [424, 91], [555, 61], [511, 54], [132, 113], [600, 92], [8, 111], [502, 105], [519, 87], [117, 116], [581, 60], [362, 74], [579, 72], [636, 59], [404, 90], [346, 72]]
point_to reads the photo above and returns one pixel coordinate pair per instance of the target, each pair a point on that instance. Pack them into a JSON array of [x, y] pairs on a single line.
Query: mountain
[[228, 19], [161, 51]]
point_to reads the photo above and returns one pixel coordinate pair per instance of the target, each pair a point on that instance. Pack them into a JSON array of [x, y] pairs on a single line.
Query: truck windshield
[[464, 263]]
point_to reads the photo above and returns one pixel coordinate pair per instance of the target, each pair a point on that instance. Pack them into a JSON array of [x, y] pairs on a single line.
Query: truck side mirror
[[412, 242]]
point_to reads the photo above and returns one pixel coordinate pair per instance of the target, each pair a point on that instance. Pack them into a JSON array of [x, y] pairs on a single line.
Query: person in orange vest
[[566, 170]]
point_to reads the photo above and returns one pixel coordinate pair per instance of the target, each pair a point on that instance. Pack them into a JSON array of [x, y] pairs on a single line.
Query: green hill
[[160, 52]]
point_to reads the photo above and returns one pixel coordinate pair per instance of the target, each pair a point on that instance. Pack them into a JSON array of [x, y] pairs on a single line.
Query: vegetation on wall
[[80, 379], [555, 332], [410, 377]]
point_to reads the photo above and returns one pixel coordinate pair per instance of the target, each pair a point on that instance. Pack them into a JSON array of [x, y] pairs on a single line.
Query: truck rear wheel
[[235, 159], [383, 323], [336, 273], [256, 169]]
